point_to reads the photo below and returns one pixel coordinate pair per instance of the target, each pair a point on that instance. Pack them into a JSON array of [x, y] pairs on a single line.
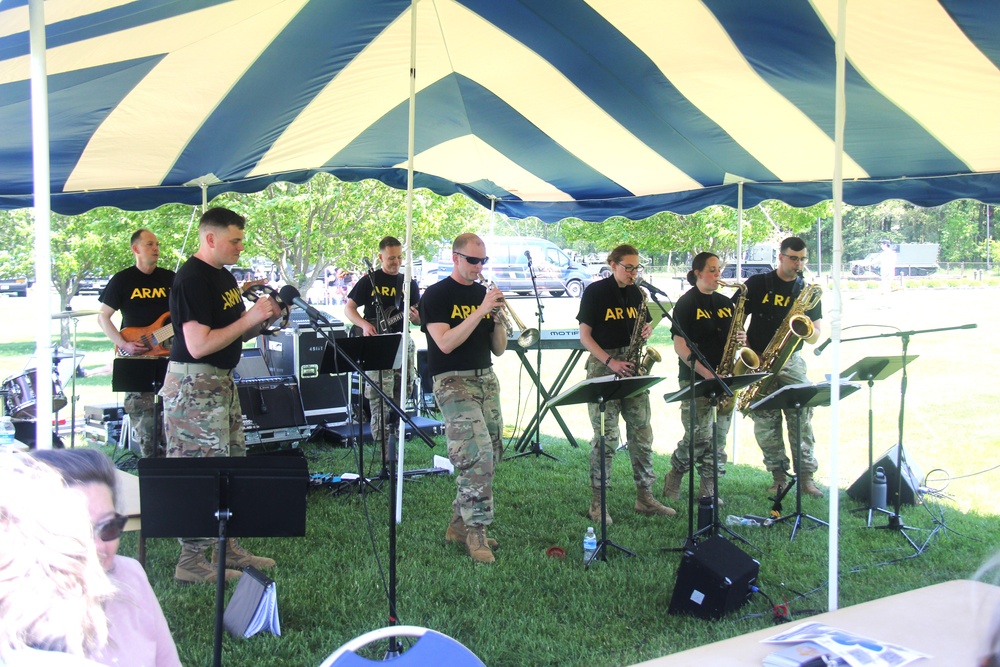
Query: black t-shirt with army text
[[142, 298], [706, 319], [611, 312], [451, 302], [209, 296], [769, 298], [390, 293]]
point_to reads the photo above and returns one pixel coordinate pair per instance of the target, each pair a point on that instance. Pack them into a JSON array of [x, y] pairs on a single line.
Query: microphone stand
[[895, 519], [536, 445], [696, 355]]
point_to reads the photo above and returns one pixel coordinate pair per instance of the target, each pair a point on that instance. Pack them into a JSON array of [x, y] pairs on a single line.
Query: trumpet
[[503, 314]]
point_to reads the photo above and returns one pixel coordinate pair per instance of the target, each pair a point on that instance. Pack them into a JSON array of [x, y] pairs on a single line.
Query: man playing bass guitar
[[141, 293], [385, 285]]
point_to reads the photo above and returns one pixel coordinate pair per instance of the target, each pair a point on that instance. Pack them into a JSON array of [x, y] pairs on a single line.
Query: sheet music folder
[[253, 606], [606, 388]]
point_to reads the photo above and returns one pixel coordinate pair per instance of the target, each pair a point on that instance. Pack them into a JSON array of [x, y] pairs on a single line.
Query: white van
[[555, 272]]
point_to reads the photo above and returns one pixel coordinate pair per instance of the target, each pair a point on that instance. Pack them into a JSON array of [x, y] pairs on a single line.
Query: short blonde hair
[[52, 585]]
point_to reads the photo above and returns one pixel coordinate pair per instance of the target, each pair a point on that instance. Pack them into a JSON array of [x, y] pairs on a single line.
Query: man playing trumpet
[[609, 311], [457, 316]]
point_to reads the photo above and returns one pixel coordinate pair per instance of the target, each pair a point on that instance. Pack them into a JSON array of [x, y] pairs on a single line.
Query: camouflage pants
[[703, 459], [470, 408], [141, 417], [767, 426], [202, 418], [390, 384], [635, 412]]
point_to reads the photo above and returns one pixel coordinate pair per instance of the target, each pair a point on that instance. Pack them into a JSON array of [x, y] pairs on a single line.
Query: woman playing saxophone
[[706, 317], [610, 311]]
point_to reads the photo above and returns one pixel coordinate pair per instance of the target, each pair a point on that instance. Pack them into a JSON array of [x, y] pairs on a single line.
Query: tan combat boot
[[192, 568], [647, 505], [672, 484], [808, 486], [595, 509], [707, 489], [239, 558], [476, 543], [456, 532], [780, 481]]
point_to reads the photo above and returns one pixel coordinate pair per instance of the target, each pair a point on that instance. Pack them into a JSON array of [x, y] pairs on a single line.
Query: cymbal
[[68, 314]]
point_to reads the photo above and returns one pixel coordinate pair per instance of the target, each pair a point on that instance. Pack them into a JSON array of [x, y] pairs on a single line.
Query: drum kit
[[19, 392]]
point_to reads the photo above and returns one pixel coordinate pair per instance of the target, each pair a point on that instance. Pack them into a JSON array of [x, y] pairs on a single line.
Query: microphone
[[290, 295], [528, 255], [822, 346], [368, 264], [642, 282]]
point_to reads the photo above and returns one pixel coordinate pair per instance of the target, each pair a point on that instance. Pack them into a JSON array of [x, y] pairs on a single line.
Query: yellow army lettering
[[702, 314], [779, 301], [149, 293], [724, 312], [383, 290], [231, 297], [461, 312], [620, 313]]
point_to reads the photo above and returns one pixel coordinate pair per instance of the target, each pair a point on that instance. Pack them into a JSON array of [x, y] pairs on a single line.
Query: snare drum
[[20, 399]]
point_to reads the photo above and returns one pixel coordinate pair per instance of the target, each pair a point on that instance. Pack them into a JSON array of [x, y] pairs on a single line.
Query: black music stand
[[801, 396], [225, 497], [142, 374], [600, 390], [369, 353], [710, 388], [871, 369]]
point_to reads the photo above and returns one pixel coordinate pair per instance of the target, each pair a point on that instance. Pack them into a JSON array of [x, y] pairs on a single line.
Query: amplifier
[[270, 405], [299, 352], [104, 412], [267, 436]]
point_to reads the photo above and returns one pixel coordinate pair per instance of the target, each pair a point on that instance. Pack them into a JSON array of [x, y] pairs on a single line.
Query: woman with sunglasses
[[608, 312], [137, 631]]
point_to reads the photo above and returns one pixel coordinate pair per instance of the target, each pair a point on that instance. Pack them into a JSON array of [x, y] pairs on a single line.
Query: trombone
[[503, 314]]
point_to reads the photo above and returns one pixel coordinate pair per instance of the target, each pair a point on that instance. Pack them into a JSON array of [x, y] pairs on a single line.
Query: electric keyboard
[[553, 339]]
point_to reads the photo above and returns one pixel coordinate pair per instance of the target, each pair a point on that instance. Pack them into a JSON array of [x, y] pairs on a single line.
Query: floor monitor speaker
[[713, 579], [909, 493]]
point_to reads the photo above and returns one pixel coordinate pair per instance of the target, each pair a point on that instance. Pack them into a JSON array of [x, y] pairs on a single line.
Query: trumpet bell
[[528, 338]]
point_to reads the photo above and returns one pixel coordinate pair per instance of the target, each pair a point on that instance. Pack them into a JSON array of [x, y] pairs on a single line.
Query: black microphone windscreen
[[288, 294]]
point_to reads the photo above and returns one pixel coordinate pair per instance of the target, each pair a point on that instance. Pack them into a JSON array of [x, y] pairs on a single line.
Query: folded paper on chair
[[253, 607]]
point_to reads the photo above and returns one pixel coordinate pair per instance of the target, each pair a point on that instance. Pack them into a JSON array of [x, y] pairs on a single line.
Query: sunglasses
[[110, 530], [474, 260]]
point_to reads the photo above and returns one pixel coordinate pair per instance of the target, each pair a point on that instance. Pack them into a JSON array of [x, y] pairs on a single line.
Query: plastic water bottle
[[589, 545], [879, 489], [6, 431], [733, 520]]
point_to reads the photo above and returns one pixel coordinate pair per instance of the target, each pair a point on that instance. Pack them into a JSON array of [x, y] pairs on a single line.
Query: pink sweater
[[138, 632]]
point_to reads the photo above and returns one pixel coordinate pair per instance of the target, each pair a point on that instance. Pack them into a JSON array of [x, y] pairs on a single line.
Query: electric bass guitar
[[153, 337], [392, 316]]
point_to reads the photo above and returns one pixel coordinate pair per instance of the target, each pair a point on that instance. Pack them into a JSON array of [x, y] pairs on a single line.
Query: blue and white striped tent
[[551, 108]]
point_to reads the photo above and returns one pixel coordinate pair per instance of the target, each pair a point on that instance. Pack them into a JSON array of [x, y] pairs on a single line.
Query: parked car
[[747, 268], [15, 286], [92, 285]]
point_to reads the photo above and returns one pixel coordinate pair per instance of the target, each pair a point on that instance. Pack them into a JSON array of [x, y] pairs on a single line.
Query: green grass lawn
[[528, 609]]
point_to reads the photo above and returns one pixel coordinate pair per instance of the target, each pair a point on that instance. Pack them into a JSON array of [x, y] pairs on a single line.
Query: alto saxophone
[[643, 362], [735, 360], [795, 328]]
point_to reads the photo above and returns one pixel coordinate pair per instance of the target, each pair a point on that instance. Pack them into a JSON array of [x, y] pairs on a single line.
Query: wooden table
[[949, 621]]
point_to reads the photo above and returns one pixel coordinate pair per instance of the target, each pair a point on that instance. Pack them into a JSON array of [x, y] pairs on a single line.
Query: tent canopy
[[551, 108]]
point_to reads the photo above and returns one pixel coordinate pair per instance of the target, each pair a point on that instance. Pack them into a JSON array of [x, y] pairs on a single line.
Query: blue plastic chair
[[431, 648]]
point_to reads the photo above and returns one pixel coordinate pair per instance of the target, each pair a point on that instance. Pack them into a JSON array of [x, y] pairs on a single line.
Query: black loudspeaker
[[271, 406], [426, 381], [713, 579], [908, 494]]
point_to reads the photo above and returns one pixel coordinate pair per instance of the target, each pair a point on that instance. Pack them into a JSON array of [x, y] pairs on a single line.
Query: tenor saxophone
[[736, 360], [795, 328], [643, 362]]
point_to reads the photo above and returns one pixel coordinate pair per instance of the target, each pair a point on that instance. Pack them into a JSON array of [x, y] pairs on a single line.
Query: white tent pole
[[408, 273], [738, 278], [835, 311], [43, 225]]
